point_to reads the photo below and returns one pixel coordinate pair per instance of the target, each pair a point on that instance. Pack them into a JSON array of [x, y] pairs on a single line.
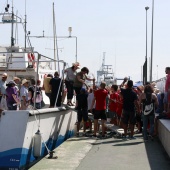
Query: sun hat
[[24, 81], [11, 82], [141, 88], [16, 78], [4, 75], [76, 64]]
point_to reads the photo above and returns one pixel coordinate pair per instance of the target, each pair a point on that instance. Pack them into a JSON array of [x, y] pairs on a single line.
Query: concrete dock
[[82, 153]]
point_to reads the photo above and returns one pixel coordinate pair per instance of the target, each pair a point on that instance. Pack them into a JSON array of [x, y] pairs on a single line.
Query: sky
[[114, 27]]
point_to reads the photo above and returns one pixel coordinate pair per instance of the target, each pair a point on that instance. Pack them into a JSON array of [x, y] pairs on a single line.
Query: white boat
[[105, 73], [26, 136]]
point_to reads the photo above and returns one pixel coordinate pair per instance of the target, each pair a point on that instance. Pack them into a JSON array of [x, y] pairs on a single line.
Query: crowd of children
[[123, 106]]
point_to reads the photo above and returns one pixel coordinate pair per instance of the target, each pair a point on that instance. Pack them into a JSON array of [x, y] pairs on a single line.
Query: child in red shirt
[[113, 104], [100, 109], [119, 108]]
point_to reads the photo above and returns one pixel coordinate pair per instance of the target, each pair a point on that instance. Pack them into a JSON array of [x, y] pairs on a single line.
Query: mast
[[12, 25], [54, 34], [25, 27], [55, 42], [16, 30]]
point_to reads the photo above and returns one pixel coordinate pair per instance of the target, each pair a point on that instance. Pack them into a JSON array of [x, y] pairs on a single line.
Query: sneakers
[[77, 134], [69, 104], [132, 137], [94, 136], [85, 135], [103, 136], [124, 138]]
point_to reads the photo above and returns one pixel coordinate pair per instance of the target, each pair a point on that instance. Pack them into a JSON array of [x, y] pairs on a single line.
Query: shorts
[[93, 110], [100, 114], [128, 117], [138, 118], [82, 115], [112, 114], [165, 100]]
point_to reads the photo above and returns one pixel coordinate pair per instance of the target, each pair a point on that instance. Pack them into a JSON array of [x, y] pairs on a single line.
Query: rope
[[38, 125]]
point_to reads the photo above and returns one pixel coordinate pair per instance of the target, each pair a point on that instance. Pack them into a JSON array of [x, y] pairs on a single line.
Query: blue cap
[[83, 89]]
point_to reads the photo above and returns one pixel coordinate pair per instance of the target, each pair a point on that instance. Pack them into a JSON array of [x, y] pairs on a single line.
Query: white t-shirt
[[24, 92], [89, 100]]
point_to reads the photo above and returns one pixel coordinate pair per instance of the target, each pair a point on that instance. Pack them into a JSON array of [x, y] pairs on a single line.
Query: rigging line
[[38, 125]]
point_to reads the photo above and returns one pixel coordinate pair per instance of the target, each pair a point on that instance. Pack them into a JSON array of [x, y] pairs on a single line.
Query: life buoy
[[31, 58]]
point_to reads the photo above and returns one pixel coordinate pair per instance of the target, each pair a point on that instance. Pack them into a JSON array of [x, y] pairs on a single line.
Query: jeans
[[146, 119]]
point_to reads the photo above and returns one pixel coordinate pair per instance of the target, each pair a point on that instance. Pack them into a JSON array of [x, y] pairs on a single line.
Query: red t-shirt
[[167, 84], [168, 98], [113, 104], [119, 106], [100, 96]]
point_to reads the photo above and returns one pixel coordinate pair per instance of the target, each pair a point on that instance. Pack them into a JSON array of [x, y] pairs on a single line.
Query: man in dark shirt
[[82, 110], [56, 90], [129, 103]]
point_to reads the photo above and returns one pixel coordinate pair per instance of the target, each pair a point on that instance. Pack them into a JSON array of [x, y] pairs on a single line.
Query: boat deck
[[82, 153]]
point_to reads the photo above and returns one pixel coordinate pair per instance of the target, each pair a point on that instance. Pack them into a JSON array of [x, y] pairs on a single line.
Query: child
[[100, 108], [113, 104], [119, 108], [82, 110]]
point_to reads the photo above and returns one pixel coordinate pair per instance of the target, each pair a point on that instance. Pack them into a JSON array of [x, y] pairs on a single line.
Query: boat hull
[[17, 129]]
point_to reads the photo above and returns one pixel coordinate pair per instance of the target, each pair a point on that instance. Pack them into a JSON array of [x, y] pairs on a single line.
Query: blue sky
[[117, 27]]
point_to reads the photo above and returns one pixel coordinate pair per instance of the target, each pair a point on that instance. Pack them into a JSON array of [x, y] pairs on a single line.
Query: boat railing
[[37, 61], [12, 60]]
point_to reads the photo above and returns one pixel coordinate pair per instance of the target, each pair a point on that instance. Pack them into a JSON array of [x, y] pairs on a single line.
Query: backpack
[[148, 106], [38, 97]]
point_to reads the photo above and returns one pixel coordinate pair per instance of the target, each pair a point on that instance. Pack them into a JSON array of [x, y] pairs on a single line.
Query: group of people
[[18, 95], [125, 106], [56, 88]]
